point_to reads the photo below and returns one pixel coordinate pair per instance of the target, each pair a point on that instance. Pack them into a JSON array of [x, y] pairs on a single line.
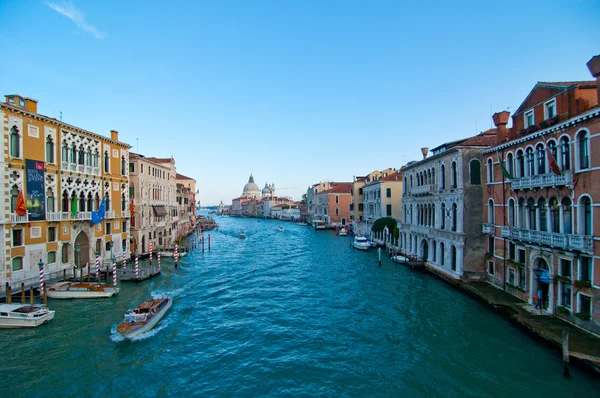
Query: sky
[[294, 92]]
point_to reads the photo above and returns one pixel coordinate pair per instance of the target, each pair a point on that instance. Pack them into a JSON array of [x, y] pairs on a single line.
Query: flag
[[74, 206], [98, 216], [132, 212], [505, 172], [552, 163], [20, 207]]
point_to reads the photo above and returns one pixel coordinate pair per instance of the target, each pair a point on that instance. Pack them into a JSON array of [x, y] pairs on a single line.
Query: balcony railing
[[421, 229], [127, 213], [554, 239], [83, 215], [110, 214], [81, 168], [489, 229], [424, 189], [543, 180], [53, 216], [17, 219]]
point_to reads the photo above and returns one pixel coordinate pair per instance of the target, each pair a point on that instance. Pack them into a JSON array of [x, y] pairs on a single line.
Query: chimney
[[594, 67], [30, 104], [114, 135], [425, 151], [500, 120]]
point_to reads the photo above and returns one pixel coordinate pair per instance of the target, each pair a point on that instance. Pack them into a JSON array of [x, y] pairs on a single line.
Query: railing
[[110, 214], [81, 168], [95, 170], [17, 219], [489, 228], [88, 169], [423, 189], [65, 165], [563, 241], [72, 167], [127, 213], [53, 216], [542, 180], [421, 229], [83, 215]]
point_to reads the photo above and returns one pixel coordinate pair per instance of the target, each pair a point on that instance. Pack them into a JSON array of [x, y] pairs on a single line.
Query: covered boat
[[361, 243], [144, 317], [400, 259], [81, 290], [24, 316], [343, 232]]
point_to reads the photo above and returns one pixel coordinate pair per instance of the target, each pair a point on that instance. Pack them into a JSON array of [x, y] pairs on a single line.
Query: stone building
[[186, 199], [383, 198]]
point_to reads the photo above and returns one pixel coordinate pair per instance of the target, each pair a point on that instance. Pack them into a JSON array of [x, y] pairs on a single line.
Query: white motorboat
[[343, 232], [241, 235], [144, 317], [171, 253], [24, 316], [400, 259], [280, 229], [319, 224], [81, 290], [361, 243]]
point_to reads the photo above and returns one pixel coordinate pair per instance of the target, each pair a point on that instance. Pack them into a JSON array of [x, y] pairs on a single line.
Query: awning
[[160, 210]]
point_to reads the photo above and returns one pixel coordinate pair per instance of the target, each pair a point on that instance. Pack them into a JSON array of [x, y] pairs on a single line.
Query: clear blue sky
[[293, 91]]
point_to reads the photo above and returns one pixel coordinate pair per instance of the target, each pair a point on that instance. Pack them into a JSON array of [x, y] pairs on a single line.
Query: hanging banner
[[35, 190]]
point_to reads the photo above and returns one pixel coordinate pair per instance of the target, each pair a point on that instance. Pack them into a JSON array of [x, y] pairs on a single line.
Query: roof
[[182, 177], [160, 160], [341, 187], [484, 139], [579, 83]]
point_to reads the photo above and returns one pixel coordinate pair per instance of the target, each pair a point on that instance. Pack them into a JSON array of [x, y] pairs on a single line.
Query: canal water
[[292, 313]]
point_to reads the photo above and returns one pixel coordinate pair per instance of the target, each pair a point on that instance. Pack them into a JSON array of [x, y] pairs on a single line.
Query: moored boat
[[241, 235], [81, 290], [144, 317], [361, 243], [400, 259], [343, 232], [24, 316]]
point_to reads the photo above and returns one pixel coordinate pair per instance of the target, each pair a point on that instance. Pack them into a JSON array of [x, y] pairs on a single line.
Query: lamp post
[[538, 274]]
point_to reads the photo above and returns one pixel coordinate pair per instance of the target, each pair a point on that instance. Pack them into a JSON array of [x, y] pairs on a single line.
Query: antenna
[[61, 116], [137, 143]]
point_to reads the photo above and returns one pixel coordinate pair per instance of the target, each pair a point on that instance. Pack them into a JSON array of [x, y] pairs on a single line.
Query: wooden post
[[22, 293], [565, 351], [202, 243], [31, 299], [45, 295], [208, 242], [8, 294], [379, 254], [64, 274]]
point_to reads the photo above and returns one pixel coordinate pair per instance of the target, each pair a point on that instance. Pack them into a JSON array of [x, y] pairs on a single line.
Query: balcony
[[421, 229], [83, 215], [423, 190], [110, 214], [81, 168], [17, 219], [554, 239], [127, 214], [543, 180], [489, 229], [53, 216]]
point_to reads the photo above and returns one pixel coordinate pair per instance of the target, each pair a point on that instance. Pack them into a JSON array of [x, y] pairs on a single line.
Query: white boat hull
[[361, 246], [151, 324], [15, 320], [108, 292]]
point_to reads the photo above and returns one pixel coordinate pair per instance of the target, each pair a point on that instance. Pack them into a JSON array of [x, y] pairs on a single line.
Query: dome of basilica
[[251, 190]]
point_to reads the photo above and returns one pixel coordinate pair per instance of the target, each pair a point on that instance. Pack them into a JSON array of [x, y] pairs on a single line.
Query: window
[[566, 291], [454, 176], [541, 159], [108, 226], [15, 142], [360, 191], [388, 210], [337, 199], [512, 251], [73, 154], [511, 213], [65, 253], [434, 251], [388, 192], [491, 244], [543, 214], [553, 149], [550, 109], [565, 267], [124, 244], [108, 246], [337, 211], [131, 167], [49, 150], [454, 217], [81, 155], [17, 237], [530, 161], [106, 162], [123, 203], [511, 276], [88, 157], [453, 257], [567, 215], [490, 171], [142, 170], [442, 177], [17, 264], [510, 164], [554, 215], [522, 215], [51, 234], [529, 120], [531, 214], [65, 152], [361, 207], [441, 253], [565, 153], [96, 158], [443, 216], [585, 268], [51, 257], [585, 216], [522, 278], [521, 256], [582, 146], [49, 200], [520, 164], [490, 216], [124, 226], [123, 166], [585, 304], [14, 196], [490, 268]]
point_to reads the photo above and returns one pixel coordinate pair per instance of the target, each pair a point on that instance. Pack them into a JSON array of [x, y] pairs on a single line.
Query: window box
[[548, 122], [583, 284], [563, 279], [515, 287], [528, 130], [562, 310], [489, 255], [583, 315]]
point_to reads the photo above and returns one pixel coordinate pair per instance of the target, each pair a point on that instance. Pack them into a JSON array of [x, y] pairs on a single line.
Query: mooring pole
[[379, 254], [8, 294], [31, 299], [565, 352], [202, 243], [208, 242], [22, 293]]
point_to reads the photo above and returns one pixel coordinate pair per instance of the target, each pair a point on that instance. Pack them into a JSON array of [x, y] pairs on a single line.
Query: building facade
[[63, 173], [540, 217], [186, 199], [383, 198], [437, 192], [333, 205]]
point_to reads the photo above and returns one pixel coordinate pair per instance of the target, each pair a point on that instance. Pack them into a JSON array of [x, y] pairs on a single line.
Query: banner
[[35, 190]]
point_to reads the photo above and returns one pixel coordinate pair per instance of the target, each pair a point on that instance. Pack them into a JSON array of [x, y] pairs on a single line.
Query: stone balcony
[[428, 189], [110, 214], [489, 229], [17, 219], [543, 180], [553, 239]]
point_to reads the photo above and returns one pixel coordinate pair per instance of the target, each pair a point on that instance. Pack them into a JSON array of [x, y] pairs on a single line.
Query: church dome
[[251, 189], [266, 190]]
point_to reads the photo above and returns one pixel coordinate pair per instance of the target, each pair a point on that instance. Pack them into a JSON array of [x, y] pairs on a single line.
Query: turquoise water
[[293, 313]]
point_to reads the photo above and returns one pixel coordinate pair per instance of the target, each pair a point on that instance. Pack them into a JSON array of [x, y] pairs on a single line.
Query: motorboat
[[361, 243], [343, 232], [280, 228], [319, 224], [241, 235], [81, 290], [24, 316], [144, 317], [400, 259], [373, 243]]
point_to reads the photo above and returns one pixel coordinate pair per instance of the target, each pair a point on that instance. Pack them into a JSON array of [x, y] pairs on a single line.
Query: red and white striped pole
[[150, 252], [137, 269], [41, 265], [176, 255], [114, 272], [124, 257], [98, 267], [158, 257]]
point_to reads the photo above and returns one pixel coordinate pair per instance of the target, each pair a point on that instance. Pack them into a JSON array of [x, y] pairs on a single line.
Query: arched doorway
[[424, 250], [82, 250], [143, 244], [133, 244], [541, 285]]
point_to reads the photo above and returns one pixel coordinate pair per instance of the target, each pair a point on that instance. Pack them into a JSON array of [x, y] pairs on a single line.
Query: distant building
[[333, 204]]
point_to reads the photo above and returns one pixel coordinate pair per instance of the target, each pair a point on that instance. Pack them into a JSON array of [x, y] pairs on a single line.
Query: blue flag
[[98, 216]]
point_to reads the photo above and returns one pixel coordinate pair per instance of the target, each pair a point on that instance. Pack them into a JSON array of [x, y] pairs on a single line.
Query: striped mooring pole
[[124, 257], [114, 272], [176, 254], [98, 267], [150, 252], [41, 265], [137, 269], [158, 257]]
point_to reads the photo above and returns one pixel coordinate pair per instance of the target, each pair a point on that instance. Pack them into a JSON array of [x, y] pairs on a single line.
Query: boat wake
[[116, 337]]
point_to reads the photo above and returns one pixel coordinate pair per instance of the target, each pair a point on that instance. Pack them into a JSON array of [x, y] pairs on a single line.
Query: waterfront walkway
[[548, 327]]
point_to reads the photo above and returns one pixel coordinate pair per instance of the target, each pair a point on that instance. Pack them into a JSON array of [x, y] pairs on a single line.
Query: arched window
[[522, 214], [90, 202], [65, 152], [475, 170], [15, 142], [585, 218], [81, 201], [510, 164], [442, 253], [433, 215], [107, 202], [65, 201], [530, 161], [49, 200], [584, 150], [411, 181], [124, 204], [531, 217], [81, 155], [106, 162], [433, 176], [88, 157], [404, 187], [554, 215], [454, 217], [443, 177], [453, 257], [14, 196], [49, 150], [123, 169], [96, 156], [97, 202], [454, 176], [520, 164], [490, 170], [567, 215], [543, 214], [553, 151], [565, 153], [433, 250], [443, 216], [73, 154], [490, 216], [511, 212], [541, 159]]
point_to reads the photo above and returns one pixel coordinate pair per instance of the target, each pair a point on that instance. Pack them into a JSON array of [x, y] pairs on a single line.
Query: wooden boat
[[144, 317], [24, 316], [81, 290], [361, 243]]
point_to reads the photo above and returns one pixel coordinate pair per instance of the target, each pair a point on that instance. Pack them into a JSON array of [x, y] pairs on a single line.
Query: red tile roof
[[340, 187], [484, 139], [159, 160], [182, 177], [580, 83], [393, 177]]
